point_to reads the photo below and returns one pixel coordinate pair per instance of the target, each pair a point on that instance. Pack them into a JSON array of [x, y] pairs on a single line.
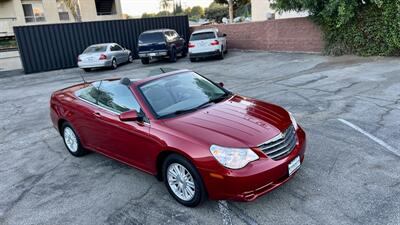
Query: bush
[[370, 27], [8, 42]]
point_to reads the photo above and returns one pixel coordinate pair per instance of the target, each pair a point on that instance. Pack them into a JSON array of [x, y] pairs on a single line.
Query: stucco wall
[[88, 11], [260, 9]]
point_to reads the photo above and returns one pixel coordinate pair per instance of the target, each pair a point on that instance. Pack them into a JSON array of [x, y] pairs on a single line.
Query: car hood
[[236, 122]]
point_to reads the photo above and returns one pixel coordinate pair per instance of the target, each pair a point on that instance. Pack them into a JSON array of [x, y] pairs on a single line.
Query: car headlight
[[233, 158], [293, 121]]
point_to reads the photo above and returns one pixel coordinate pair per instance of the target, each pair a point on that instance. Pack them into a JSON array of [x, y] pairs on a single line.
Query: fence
[[56, 46]]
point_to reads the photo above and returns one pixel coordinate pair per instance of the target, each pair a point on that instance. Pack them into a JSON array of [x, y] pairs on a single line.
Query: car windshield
[[181, 93], [151, 38], [96, 48], [202, 36]]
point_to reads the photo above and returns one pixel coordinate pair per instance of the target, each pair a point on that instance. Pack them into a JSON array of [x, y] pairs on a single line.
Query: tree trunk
[[73, 6], [230, 3]]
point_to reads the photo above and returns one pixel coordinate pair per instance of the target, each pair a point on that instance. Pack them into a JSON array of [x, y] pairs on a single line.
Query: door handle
[[97, 115]]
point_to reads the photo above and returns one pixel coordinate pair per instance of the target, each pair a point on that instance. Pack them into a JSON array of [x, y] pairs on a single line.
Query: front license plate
[[152, 54], [294, 165]]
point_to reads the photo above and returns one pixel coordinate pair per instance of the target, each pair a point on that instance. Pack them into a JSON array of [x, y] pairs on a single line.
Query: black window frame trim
[[145, 117]]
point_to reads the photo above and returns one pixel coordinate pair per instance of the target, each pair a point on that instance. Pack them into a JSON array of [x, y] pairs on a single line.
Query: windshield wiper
[[177, 112], [214, 100], [181, 111]]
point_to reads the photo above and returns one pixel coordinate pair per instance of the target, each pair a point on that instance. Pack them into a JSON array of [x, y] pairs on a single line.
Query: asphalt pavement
[[349, 107]]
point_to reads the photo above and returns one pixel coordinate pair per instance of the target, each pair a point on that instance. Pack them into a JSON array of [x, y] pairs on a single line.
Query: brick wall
[[293, 35]]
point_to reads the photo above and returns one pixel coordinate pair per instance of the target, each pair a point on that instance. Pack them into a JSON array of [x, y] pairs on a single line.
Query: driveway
[[349, 107], [10, 63]]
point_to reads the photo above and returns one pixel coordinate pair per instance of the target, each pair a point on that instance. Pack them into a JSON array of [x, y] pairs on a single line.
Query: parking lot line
[[372, 137]]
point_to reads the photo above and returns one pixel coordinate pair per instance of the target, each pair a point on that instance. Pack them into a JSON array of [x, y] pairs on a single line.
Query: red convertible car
[[199, 138]]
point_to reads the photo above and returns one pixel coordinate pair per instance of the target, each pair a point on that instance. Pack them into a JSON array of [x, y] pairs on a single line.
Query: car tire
[[193, 60], [72, 141], [114, 64], [192, 192], [172, 55], [130, 58], [87, 69], [145, 61], [184, 53], [221, 55]]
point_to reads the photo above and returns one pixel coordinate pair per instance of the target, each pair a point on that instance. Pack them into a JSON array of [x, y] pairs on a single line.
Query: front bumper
[[153, 54], [254, 180], [96, 64], [204, 54]]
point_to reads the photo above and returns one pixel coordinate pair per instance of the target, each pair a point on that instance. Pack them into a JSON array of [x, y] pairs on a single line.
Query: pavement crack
[[243, 215], [345, 87], [310, 81], [223, 209]]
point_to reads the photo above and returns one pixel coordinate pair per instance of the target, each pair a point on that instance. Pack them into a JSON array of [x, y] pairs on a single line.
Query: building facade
[[262, 10], [31, 12]]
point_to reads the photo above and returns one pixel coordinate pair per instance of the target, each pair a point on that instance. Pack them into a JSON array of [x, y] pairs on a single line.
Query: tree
[[147, 15], [233, 6], [215, 12], [73, 6], [364, 27], [188, 11], [164, 13], [165, 4], [197, 11], [178, 9], [230, 5], [236, 3]]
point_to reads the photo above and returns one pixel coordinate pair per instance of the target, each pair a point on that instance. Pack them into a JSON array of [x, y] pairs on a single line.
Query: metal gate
[[56, 46]]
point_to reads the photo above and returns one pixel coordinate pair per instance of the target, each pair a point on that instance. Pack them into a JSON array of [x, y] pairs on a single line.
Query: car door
[[85, 120], [177, 40], [123, 57], [124, 54], [169, 39], [222, 39], [125, 141], [115, 52]]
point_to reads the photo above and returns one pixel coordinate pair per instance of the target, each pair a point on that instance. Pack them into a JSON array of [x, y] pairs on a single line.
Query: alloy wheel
[[181, 181], [70, 139]]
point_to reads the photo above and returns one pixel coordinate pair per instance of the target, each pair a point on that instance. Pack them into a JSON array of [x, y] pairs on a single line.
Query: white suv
[[205, 43]]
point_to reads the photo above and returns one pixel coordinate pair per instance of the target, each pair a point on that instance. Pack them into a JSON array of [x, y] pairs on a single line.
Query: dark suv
[[159, 44]]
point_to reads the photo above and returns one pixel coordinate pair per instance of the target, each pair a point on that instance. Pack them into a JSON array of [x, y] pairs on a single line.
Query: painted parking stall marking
[[372, 137]]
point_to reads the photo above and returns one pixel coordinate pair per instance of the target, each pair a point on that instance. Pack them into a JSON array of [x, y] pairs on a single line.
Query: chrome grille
[[280, 145]]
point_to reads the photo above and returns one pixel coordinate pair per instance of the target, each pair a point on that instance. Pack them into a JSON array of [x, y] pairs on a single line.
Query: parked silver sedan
[[104, 55]]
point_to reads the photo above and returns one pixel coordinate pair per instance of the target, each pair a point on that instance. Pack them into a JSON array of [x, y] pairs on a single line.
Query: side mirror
[[221, 84], [131, 115], [223, 35]]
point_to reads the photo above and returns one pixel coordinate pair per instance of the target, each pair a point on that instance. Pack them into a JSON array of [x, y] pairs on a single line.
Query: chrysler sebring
[[199, 138]]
